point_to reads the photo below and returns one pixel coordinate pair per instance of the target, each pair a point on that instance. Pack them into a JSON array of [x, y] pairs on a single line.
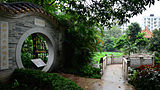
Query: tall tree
[[95, 11], [80, 17], [132, 31], [134, 41], [154, 43], [109, 36]]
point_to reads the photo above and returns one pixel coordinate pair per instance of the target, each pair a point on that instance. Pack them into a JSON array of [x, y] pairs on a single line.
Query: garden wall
[[141, 59], [16, 27]]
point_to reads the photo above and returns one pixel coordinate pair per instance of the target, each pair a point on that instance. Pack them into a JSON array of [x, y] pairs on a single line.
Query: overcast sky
[[154, 9]]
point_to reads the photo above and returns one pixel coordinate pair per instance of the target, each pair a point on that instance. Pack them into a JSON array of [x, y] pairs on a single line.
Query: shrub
[[37, 80], [146, 77], [150, 67], [90, 72]]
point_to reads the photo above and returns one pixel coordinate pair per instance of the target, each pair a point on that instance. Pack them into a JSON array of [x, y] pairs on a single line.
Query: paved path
[[111, 80]]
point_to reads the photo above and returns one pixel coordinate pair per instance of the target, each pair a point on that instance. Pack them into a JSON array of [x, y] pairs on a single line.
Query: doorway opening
[[34, 47]]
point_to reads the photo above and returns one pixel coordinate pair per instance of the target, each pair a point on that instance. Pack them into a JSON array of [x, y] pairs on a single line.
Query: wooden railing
[[103, 63], [125, 67]]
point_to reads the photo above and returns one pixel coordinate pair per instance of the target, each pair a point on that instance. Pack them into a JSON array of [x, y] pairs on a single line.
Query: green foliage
[[141, 42], [125, 45], [90, 72], [133, 75], [133, 42], [81, 21], [80, 44], [146, 81], [154, 44], [37, 80], [146, 77], [155, 41], [132, 31], [110, 36], [27, 51], [98, 55], [95, 11]]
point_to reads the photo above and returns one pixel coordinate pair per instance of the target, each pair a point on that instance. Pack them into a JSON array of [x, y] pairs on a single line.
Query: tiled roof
[[148, 33], [22, 8]]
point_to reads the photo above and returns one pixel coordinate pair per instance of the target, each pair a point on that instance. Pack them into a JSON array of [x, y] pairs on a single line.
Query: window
[[151, 19], [155, 22]]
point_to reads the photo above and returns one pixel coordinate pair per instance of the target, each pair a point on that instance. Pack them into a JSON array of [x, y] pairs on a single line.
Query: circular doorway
[[50, 52], [34, 52]]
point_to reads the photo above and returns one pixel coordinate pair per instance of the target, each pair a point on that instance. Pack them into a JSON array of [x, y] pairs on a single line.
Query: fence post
[[112, 58], [101, 61], [153, 60], [141, 60], [104, 62], [106, 59]]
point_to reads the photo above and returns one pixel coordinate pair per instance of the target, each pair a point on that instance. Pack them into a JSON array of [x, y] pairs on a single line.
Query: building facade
[[152, 22]]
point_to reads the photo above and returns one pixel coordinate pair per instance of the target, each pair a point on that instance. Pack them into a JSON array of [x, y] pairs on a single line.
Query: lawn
[[98, 55]]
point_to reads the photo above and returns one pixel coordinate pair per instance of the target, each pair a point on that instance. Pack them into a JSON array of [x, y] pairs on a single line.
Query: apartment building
[[152, 22]]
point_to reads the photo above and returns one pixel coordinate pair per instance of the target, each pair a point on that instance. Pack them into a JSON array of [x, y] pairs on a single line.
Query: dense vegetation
[[83, 21], [25, 79], [146, 77], [29, 51], [133, 41], [109, 36], [154, 44]]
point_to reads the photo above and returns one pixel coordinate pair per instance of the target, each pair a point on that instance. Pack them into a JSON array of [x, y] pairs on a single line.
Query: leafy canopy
[[82, 18], [105, 12], [133, 41], [110, 35], [154, 45]]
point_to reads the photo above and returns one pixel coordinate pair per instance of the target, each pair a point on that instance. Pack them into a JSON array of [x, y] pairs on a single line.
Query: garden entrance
[[29, 35], [34, 48]]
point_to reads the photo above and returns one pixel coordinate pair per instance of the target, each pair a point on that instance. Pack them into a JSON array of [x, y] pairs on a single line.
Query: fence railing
[[125, 67], [116, 59], [109, 60], [103, 63]]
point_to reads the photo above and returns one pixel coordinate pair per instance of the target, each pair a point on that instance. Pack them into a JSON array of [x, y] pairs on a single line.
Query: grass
[[98, 55]]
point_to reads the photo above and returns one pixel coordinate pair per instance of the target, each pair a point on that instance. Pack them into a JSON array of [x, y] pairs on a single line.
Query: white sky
[[154, 9]]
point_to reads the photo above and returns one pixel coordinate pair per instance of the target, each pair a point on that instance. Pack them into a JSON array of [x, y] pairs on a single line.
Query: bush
[[25, 79], [146, 77], [90, 72]]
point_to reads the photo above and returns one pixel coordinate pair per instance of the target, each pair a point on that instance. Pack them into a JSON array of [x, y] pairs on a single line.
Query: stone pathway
[[111, 80]]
